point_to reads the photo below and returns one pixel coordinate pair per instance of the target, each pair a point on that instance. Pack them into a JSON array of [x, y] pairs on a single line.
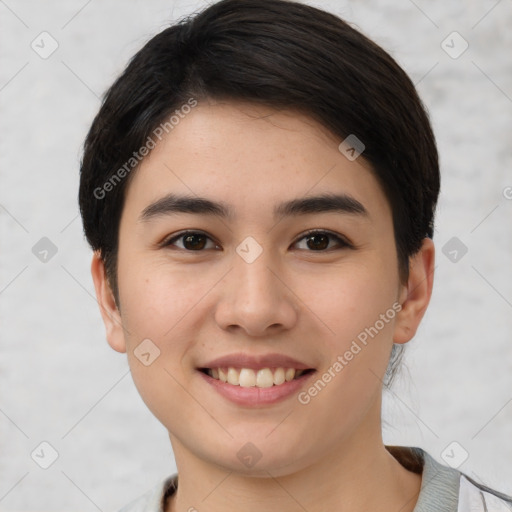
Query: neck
[[357, 475]]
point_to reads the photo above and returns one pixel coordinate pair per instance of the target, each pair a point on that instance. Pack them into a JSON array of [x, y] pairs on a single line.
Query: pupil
[[316, 244], [192, 240]]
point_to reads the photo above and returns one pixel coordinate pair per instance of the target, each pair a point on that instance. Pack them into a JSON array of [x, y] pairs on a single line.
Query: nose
[[256, 298]]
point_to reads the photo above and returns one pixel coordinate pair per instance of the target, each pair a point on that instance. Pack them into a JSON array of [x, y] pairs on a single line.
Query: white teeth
[[289, 375], [233, 377], [279, 376], [264, 378], [247, 377]]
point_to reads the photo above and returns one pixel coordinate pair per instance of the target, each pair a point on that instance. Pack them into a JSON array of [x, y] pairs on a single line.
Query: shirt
[[443, 489]]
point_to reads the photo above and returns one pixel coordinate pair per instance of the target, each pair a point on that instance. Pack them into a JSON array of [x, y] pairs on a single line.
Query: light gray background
[[59, 380]]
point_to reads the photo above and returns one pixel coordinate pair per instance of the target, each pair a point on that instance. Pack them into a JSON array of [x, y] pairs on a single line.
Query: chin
[[259, 459]]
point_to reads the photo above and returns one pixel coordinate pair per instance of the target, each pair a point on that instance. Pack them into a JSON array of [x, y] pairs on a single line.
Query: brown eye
[[190, 241], [194, 241], [319, 241], [316, 242]]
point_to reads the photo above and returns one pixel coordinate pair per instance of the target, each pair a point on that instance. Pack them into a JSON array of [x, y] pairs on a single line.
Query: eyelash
[[342, 241]]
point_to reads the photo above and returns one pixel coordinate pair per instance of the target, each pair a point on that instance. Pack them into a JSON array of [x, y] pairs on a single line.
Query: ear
[[108, 308], [415, 296]]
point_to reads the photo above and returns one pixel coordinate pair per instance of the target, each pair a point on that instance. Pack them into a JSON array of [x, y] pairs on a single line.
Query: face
[[263, 279]]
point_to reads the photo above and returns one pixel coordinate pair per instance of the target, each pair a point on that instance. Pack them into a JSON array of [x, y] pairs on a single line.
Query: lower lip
[[254, 396]]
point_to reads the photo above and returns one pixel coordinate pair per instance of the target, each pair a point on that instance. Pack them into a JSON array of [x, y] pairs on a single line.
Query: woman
[[259, 188]]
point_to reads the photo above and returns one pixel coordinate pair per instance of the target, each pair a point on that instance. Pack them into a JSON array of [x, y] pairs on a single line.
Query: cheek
[[154, 308], [164, 306], [349, 301], [358, 310], [155, 298]]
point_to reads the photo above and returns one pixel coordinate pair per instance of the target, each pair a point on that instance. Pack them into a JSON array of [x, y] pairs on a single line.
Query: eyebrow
[[174, 203]]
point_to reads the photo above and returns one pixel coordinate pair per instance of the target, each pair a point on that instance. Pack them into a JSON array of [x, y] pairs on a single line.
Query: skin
[[306, 303]]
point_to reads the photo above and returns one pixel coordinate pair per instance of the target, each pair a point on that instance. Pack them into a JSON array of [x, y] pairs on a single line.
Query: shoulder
[[154, 499], [446, 489]]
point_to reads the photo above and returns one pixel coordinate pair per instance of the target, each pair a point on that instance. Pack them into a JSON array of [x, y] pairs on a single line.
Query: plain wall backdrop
[[62, 384]]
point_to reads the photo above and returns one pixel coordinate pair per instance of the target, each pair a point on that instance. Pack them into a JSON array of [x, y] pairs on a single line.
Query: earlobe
[[415, 297], [108, 308]]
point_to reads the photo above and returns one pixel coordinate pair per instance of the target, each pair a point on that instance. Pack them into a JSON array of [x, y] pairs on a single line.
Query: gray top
[[439, 486], [443, 489]]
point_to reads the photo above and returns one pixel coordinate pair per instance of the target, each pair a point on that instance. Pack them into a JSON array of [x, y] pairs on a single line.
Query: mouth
[[252, 377]]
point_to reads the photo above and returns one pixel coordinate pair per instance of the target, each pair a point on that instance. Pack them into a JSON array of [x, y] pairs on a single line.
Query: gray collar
[[439, 486]]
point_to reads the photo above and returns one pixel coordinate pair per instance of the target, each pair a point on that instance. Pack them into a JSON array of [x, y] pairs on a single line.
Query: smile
[[249, 377]]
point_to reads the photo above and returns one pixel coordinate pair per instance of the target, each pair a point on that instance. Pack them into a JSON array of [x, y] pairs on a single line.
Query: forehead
[[251, 157]]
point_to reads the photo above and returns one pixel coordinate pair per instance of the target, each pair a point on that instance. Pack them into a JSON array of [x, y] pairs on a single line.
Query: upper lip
[[241, 360]]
